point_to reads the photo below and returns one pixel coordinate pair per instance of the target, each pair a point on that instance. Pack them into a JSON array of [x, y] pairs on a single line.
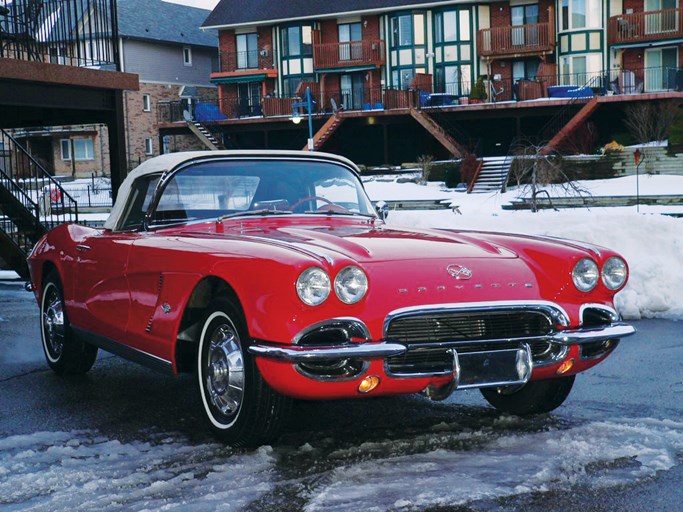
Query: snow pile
[[598, 454], [81, 471], [651, 243]]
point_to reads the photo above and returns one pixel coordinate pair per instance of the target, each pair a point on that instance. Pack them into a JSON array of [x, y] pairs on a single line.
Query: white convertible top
[[169, 161]]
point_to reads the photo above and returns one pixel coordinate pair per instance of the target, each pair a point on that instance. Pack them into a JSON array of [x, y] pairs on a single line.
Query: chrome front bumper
[[385, 349]]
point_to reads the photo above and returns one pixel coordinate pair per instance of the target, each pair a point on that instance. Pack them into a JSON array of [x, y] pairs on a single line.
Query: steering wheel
[[308, 200]]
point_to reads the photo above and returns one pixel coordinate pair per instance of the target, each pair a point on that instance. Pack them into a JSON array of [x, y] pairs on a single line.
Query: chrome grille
[[468, 326], [465, 331]]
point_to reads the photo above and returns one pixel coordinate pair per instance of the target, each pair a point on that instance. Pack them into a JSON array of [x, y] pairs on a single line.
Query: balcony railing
[[516, 40], [352, 53], [644, 27], [246, 61], [68, 32], [563, 87]]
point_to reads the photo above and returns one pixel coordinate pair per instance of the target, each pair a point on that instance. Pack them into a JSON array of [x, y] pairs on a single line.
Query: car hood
[[368, 243]]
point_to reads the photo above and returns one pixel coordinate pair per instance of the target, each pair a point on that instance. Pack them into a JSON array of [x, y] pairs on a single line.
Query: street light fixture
[[296, 116]]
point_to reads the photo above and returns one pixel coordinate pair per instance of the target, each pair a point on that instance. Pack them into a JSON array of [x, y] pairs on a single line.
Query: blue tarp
[[207, 112]]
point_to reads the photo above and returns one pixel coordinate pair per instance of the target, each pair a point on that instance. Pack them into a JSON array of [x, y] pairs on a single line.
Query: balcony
[[352, 54], [645, 27], [519, 40], [251, 62], [54, 31]]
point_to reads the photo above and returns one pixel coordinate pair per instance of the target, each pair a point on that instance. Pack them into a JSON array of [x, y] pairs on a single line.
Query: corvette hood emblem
[[459, 272]]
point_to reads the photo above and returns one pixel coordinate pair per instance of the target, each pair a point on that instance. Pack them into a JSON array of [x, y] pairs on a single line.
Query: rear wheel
[[241, 408], [535, 397], [65, 353]]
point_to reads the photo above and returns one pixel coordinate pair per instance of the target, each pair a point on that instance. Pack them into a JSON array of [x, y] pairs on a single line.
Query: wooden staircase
[[493, 175], [438, 132], [570, 127], [326, 131], [205, 135], [31, 203]]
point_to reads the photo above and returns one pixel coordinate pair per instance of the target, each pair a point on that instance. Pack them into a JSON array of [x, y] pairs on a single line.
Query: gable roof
[[230, 13], [156, 20]]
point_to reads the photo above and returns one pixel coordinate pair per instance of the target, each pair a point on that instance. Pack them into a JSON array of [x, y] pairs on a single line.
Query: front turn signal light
[[565, 367], [368, 384]]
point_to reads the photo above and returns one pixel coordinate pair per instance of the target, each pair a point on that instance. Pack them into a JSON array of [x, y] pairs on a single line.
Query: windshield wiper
[[339, 212], [248, 213]]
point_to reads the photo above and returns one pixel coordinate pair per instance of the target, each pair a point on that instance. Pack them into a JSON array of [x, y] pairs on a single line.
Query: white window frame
[[89, 148], [187, 55], [146, 103], [149, 146], [65, 149]]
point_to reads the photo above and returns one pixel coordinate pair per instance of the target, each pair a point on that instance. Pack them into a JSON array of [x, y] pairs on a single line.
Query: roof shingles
[[245, 12], [156, 20]]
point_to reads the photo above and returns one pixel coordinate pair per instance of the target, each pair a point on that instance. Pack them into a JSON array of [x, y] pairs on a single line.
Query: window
[[65, 145], [350, 45], [297, 41], [402, 30], [524, 15], [580, 14], [187, 56], [149, 147], [146, 103], [83, 149], [247, 51]]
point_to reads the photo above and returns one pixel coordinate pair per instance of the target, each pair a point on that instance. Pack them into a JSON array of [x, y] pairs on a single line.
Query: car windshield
[[232, 188]]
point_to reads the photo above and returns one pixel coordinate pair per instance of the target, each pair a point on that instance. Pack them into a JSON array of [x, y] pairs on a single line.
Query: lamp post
[[637, 158], [296, 117]]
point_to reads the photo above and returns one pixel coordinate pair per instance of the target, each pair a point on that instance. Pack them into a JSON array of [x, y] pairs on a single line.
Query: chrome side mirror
[[382, 209]]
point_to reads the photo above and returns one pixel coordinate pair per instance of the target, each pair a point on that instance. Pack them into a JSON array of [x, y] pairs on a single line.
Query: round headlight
[[350, 285], [585, 274], [313, 286], [614, 273]]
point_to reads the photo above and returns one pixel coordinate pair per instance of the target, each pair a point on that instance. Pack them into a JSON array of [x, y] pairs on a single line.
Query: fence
[[68, 32]]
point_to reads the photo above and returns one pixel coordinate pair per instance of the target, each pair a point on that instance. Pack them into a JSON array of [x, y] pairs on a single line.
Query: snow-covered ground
[[450, 464]]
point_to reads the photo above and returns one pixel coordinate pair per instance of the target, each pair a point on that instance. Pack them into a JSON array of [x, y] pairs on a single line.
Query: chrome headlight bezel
[[313, 286], [351, 284], [585, 275], [614, 273]]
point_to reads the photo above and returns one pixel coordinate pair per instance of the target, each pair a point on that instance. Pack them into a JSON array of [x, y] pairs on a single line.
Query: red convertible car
[[271, 276]]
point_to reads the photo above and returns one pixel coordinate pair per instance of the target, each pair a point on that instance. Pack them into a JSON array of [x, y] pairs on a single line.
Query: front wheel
[[241, 408], [65, 353], [535, 397]]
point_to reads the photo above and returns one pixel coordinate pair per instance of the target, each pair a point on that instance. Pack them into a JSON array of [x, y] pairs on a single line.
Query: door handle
[[81, 248]]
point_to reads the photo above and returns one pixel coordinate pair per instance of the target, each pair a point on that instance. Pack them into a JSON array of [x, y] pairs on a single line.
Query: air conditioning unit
[[263, 53]]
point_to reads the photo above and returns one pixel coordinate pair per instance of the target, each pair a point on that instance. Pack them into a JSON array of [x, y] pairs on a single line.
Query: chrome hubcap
[[225, 372], [53, 323]]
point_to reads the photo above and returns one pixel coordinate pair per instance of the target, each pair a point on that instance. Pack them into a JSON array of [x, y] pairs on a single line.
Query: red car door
[[102, 299]]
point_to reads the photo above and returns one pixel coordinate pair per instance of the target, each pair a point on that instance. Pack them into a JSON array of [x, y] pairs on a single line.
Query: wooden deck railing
[[516, 40], [352, 53], [246, 61], [645, 26]]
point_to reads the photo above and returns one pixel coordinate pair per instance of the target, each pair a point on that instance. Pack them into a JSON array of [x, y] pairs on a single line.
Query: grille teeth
[[471, 332]]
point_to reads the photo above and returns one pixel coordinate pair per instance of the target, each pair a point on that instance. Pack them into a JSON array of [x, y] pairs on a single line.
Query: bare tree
[[649, 121], [425, 163], [535, 167]]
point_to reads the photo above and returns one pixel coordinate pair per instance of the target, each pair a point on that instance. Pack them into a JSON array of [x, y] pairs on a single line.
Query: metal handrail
[[23, 174]]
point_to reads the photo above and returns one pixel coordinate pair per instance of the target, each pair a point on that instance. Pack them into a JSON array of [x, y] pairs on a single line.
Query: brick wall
[[98, 165]]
